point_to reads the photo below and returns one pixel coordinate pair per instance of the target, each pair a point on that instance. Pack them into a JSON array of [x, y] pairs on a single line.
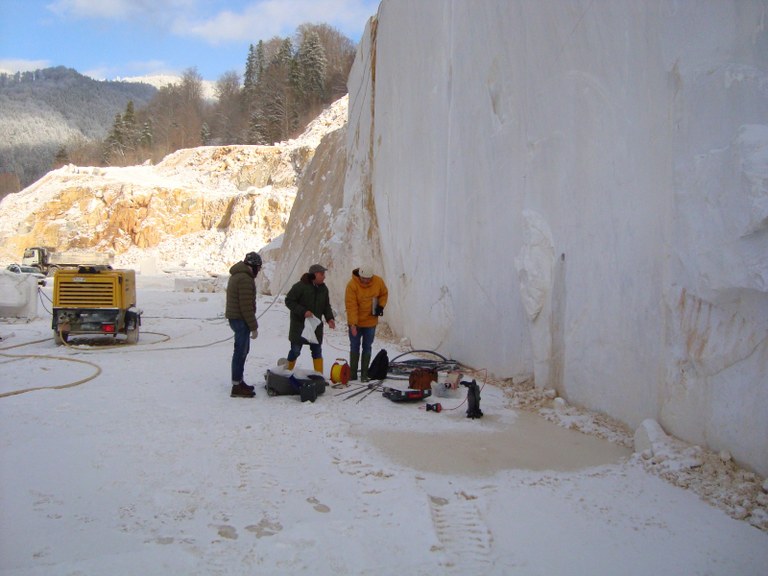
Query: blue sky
[[106, 39]]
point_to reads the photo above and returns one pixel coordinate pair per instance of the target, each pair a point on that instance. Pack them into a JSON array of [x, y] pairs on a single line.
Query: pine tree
[[114, 144], [251, 71], [339, 53], [61, 158], [146, 137], [311, 65], [285, 53], [129, 129], [257, 129], [261, 59]]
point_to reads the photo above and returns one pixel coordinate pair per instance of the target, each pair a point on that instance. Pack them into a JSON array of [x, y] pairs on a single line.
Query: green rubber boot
[[366, 360], [354, 360]]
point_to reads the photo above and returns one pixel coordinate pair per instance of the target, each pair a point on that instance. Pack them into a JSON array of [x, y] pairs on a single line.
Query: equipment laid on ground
[[422, 378], [400, 368], [437, 407], [397, 395], [309, 390], [282, 382], [375, 387], [366, 389], [473, 399], [95, 300], [340, 372], [448, 384]]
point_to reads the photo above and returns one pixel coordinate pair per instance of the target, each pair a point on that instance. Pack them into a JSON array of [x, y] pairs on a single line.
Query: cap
[[252, 259], [365, 272], [316, 268]]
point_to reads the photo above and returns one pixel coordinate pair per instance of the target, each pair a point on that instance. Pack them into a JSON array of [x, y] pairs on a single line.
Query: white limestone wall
[[18, 295], [577, 190]]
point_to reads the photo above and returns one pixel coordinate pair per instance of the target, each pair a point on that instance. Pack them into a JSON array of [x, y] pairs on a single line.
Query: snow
[[163, 80], [628, 277], [122, 459]]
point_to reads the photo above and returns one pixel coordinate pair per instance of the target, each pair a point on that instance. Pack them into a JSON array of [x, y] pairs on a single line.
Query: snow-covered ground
[[135, 460]]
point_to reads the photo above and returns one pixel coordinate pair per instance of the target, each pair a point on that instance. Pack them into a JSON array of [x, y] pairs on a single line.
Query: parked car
[[19, 269]]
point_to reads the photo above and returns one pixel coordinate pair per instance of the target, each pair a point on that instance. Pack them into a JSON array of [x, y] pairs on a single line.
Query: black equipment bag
[[379, 366], [280, 382]]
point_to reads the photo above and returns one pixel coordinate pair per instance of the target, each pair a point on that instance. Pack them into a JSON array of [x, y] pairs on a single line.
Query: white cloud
[[268, 18], [243, 20], [9, 66], [110, 9], [121, 9]]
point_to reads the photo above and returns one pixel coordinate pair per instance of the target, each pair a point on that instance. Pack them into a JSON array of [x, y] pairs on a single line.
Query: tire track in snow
[[465, 538]]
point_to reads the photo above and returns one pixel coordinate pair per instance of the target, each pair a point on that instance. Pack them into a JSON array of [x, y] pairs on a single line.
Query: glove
[[379, 310], [254, 334]]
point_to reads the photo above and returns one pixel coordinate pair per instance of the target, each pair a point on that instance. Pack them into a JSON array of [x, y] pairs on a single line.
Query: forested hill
[[44, 110]]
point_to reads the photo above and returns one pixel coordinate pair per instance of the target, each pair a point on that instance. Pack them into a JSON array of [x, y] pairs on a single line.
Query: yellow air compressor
[[96, 300]]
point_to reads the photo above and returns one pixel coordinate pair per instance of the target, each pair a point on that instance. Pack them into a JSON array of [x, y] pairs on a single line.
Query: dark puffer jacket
[[303, 296], [241, 295]]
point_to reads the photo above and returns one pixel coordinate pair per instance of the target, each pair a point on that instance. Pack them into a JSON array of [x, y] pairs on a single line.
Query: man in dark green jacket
[[309, 298], [241, 313]]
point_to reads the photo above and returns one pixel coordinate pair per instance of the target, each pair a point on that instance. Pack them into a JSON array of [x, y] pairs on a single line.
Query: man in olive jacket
[[241, 313], [309, 298]]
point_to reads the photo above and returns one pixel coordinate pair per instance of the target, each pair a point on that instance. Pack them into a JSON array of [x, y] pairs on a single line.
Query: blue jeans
[[242, 347], [316, 349], [366, 335]]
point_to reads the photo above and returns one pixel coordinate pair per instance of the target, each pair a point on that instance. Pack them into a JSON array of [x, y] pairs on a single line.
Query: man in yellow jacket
[[365, 299]]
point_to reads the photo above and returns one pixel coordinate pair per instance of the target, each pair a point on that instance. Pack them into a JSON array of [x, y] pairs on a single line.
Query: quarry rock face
[[200, 209], [574, 194], [309, 234], [115, 209]]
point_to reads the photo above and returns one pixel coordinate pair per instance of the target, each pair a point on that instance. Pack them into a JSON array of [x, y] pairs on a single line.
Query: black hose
[[402, 370]]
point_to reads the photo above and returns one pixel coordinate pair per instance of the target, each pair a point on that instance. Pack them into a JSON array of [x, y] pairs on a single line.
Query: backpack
[[379, 366]]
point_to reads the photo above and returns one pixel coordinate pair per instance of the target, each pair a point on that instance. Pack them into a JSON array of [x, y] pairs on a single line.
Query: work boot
[[354, 360], [291, 364], [366, 360], [318, 364], [242, 390], [236, 382]]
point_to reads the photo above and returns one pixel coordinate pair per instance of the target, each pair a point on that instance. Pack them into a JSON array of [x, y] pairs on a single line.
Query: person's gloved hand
[[254, 334], [379, 310]]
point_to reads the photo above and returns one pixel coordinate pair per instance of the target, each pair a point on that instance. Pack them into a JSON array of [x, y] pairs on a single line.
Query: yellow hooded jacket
[[359, 300]]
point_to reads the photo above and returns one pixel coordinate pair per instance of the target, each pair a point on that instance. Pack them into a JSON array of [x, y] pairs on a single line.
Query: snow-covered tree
[[311, 65]]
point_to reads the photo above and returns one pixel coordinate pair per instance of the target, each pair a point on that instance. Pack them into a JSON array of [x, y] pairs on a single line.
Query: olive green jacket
[[241, 295], [303, 296]]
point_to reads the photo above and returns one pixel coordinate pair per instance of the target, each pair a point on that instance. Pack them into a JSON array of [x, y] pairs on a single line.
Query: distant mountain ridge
[[42, 111], [163, 80]]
